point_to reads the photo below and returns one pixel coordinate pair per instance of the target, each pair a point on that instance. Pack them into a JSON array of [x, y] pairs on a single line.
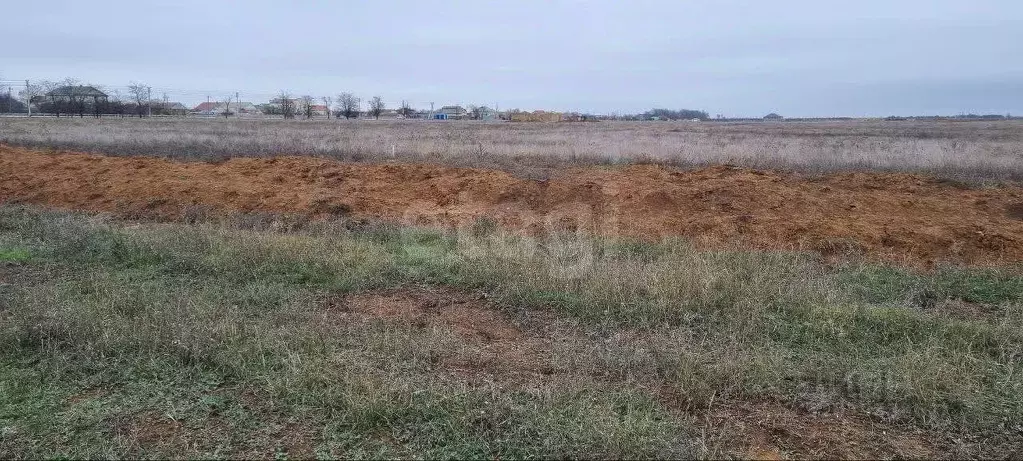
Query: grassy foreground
[[252, 337]]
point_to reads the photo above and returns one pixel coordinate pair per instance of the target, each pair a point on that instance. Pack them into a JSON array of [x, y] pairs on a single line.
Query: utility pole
[[28, 103], [431, 109], [149, 100]]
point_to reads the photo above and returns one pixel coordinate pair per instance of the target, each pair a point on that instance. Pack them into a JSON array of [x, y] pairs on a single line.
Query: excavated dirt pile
[[897, 217]]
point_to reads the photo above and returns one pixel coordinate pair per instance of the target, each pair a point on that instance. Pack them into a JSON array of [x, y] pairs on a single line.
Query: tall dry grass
[[972, 151]]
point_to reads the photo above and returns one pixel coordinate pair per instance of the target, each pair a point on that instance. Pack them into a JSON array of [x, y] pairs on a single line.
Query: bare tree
[[307, 106], [116, 103], [100, 104], [32, 93], [51, 103], [327, 102], [376, 107], [287, 104], [405, 110], [139, 94], [348, 105], [76, 97], [56, 96], [475, 112], [227, 106]]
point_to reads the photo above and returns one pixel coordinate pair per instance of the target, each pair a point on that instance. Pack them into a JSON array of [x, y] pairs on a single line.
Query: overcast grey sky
[[738, 58]]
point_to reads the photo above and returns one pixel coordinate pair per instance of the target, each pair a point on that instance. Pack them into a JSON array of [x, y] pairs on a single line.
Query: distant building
[[218, 108], [247, 108], [276, 106], [78, 99], [205, 108], [169, 108], [486, 113], [76, 92], [450, 113], [773, 117], [318, 110]]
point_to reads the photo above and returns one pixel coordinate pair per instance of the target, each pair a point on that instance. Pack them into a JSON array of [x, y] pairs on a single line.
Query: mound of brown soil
[[898, 217]]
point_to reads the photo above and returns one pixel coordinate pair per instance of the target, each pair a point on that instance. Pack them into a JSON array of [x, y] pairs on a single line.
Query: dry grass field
[[967, 151], [462, 290]]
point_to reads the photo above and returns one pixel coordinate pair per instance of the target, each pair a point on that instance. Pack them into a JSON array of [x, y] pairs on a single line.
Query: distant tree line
[[69, 97], [668, 114], [11, 105], [985, 116]]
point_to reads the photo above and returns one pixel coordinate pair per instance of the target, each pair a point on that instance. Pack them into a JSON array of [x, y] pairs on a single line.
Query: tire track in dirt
[[897, 217]]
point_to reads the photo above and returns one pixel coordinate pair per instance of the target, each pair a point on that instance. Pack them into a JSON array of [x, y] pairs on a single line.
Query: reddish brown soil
[[493, 346], [897, 217], [774, 431], [149, 430]]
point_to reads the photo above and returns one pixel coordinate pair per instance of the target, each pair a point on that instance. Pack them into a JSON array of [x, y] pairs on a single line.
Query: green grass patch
[[14, 255], [221, 329], [885, 284]]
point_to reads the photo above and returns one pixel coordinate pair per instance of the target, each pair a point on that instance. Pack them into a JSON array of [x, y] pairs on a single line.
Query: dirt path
[[897, 217]]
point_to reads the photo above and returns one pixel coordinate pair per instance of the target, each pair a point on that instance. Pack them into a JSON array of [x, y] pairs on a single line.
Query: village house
[[318, 110], [450, 113], [169, 108], [75, 93], [205, 108], [79, 99], [486, 113]]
